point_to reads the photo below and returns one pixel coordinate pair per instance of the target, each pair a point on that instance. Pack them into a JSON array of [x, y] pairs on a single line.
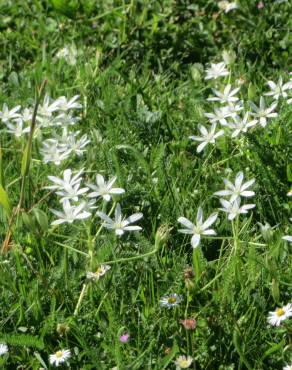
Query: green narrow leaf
[[289, 172], [1, 169], [4, 200]]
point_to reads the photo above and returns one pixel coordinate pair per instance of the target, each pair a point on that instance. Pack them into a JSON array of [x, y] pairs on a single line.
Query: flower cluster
[[231, 113]]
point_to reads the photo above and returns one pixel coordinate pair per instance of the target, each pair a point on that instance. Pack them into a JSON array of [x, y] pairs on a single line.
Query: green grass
[[140, 75]]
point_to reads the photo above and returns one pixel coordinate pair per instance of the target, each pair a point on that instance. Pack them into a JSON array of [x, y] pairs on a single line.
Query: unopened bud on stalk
[[189, 276], [162, 235]]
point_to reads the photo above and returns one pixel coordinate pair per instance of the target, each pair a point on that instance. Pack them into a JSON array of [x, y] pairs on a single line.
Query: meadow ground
[[145, 184]]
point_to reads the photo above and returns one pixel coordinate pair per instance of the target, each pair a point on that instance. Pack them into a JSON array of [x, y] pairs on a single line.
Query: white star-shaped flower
[[198, 229], [7, 115], [216, 70], [3, 349], [219, 115], [262, 112], [65, 104], [279, 89], [69, 186], [120, 224], [241, 124], [238, 189], [16, 128], [233, 208], [55, 152], [71, 213], [104, 188], [228, 95], [207, 137]]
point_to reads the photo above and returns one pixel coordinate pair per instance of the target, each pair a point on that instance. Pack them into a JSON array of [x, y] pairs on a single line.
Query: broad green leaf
[[29, 222], [41, 219]]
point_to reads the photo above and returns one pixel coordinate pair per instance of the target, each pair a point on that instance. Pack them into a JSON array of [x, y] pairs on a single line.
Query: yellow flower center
[[99, 270], [59, 354], [280, 312], [171, 300]]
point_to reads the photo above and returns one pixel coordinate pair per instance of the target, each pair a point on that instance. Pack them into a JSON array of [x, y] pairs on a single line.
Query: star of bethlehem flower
[[69, 54], [59, 357], [207, 137], [219, 115], [233, 108], [16, 128], [227, 6], [170, 300], [48, 107], [241, 124], [276, 317], [233, 208], [7, 115], [71, 213], [101, 271], [74, 144], [65, 104], [216, 70], [183, 362], [263, 113], [238, 189], [68, 187], [198, 229], [65, 119], [278, 90], [26, 115], [120, 224], [3, 349], [288, 238], [53, 151], [228, 95], [104, 188]]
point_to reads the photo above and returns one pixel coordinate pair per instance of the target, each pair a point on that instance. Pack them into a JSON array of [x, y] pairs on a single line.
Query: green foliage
[[139, 69]]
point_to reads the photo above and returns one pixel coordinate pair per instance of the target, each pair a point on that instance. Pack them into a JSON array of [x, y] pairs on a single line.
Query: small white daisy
[[59, 357], [171, 300], [276, 317], [183, 362], [3, 349]]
